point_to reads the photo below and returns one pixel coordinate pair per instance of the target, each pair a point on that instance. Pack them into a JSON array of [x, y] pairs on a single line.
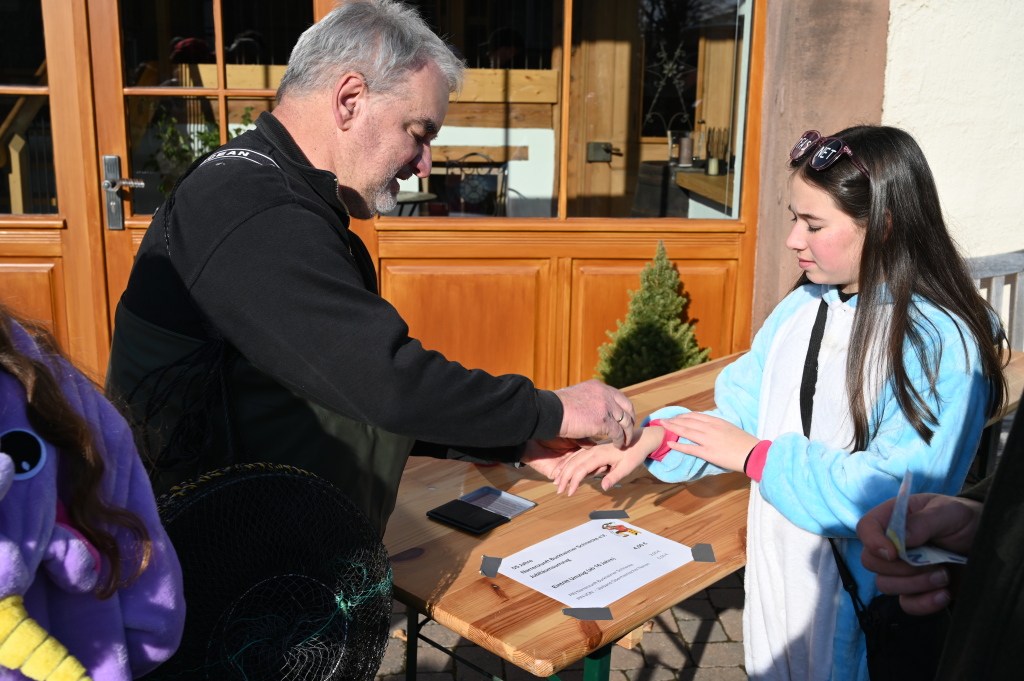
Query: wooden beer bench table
[[437, 569]]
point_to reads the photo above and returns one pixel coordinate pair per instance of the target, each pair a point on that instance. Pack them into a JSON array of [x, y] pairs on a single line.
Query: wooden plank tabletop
[[436, 569]]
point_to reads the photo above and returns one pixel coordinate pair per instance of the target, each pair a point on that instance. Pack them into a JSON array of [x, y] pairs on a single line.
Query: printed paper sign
[[595, 564]]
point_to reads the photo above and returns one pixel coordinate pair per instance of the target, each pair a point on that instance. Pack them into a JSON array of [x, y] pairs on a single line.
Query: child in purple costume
[[120, 618]]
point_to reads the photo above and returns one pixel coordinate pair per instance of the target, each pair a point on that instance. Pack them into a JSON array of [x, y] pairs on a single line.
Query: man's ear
[[349, 98]]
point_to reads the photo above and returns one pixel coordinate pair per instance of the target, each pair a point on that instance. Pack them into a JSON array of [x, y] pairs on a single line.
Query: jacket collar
[[323, 182]]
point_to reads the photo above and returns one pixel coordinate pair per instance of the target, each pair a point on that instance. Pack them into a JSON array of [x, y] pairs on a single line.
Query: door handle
[[601, 152], [112, 185]]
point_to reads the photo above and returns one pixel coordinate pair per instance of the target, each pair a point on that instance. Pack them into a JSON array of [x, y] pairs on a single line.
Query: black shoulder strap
[[809, 381]]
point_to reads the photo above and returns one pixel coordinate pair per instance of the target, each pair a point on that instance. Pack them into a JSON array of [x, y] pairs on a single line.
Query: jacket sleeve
[[314, 327], [737, 400], [483, 455], [826, 490]]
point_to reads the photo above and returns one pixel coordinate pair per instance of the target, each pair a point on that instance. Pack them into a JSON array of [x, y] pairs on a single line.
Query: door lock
[[112, 185], [601, 152]]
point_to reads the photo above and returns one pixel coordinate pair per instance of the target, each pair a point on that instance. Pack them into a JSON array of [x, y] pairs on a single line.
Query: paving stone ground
[[700, 639]]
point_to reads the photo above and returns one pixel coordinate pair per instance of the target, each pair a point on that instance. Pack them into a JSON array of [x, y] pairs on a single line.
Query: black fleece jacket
[[258, 242]]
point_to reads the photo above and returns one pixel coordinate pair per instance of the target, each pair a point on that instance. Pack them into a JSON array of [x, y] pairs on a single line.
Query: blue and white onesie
[[798, 623]]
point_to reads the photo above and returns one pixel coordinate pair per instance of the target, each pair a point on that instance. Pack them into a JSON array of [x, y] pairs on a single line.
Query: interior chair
[[999, 276], [475, 184]]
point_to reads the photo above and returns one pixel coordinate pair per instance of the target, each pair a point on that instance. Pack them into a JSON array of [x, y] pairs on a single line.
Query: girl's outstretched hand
[[618, 462], [717, 441]]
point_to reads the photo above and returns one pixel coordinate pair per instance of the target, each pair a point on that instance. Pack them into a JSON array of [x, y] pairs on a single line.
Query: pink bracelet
[[663, 449]]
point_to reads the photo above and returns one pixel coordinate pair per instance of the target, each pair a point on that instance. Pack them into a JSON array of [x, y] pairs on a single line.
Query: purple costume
[[49, 562]]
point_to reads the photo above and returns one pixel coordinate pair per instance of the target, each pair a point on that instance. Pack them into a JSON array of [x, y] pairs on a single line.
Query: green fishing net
[[285, 579]]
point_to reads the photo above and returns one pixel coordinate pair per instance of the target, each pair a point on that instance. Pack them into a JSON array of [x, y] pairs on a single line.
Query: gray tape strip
[[703, 553], [589, 614], [489, 566], [608, 515]]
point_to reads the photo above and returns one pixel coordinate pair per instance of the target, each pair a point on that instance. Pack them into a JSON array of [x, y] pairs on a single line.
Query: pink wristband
[[756, 459], [663, 449]]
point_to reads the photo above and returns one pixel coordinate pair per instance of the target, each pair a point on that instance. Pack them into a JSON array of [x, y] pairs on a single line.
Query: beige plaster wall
[[824, 69], [955, 79]]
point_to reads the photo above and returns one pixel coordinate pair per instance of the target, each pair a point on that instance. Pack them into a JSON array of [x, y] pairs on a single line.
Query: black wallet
[[465, 516]]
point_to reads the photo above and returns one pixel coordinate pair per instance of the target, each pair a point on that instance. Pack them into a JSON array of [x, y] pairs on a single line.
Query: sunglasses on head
[[826, 150]]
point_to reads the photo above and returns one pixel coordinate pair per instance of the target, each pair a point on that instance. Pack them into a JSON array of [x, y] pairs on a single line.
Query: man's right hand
[[596, 411], [948, 522]]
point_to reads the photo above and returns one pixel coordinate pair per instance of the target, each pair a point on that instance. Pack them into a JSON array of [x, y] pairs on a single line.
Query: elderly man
[[251, 328]]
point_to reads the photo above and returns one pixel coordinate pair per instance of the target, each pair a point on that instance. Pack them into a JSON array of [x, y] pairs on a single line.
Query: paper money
[[897, 533]]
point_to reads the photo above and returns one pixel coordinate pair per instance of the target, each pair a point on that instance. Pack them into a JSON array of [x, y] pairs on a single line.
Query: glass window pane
[[659, 108], [496, 154], [27, 180], [165, 135], [258, 37], [493, 35], [242, 113], [22, 52], [168, 43]]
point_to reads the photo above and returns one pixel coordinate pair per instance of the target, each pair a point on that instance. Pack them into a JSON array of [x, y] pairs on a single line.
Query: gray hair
[[381, 39]]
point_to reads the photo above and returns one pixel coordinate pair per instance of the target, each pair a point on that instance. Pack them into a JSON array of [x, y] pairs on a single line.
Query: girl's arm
[[737, 396]]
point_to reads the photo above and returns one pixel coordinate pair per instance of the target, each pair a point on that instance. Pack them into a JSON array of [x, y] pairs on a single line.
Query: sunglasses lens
[[827, 154], [805, 143]]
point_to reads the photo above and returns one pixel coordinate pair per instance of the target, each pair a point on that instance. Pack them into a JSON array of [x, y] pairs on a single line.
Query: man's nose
[[423, 163]]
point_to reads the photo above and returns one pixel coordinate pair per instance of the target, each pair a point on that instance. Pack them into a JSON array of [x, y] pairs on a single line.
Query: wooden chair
[[475, 184], [997, 276], [994, 274]]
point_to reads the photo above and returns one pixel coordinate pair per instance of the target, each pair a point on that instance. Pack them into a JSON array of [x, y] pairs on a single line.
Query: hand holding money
[[896, 531], [939, 521]]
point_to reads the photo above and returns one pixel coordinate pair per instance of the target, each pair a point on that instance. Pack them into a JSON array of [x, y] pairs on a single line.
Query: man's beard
[[383, 200]]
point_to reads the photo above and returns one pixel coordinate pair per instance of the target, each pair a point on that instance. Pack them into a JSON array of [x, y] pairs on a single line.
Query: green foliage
[[178, 150], [654, 340]]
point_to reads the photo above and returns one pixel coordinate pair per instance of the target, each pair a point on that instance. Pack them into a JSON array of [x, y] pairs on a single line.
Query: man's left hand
[[593, 409]]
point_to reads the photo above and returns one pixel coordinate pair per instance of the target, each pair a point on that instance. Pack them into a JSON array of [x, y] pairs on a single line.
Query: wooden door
[[51, 258]]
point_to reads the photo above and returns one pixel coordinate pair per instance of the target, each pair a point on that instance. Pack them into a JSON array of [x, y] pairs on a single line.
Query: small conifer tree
[[654, 340]]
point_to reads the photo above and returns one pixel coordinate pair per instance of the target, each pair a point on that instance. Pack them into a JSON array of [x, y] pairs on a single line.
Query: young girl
[[89, 583], [884, 355]]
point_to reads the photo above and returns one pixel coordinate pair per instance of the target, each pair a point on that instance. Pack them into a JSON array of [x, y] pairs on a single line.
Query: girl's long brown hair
[[907, 253], [58, 423]]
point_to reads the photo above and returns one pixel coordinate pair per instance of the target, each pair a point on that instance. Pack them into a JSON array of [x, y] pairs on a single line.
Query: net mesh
[[284, 578]]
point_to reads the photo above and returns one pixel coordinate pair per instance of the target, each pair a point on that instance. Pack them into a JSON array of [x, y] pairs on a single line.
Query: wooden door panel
[[486, 314], [601, 296], [34, 289]]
